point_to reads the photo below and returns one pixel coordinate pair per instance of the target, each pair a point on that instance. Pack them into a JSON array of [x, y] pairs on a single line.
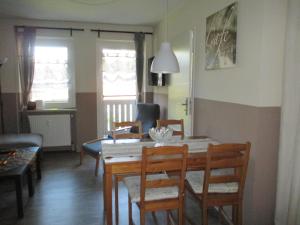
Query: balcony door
[[116, 84]]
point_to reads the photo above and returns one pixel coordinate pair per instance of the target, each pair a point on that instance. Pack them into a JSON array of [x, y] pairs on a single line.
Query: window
[[53, 77], [118, 72], [119, 76]]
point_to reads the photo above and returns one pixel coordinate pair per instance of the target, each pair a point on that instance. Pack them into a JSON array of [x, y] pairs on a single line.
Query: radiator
[[56, 129]]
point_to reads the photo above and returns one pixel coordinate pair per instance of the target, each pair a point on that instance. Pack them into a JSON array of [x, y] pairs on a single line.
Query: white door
[[180, 91]]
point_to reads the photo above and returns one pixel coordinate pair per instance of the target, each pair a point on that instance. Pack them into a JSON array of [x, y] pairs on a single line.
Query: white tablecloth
[[134, 147]]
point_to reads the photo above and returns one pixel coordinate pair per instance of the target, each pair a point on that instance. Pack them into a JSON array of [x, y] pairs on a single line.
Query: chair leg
[[234, 214], [182, 207], [240, 213], [81, 156], [142, 216], [204, 214], [221, 216], [97, 166], [168, 217], [180, 219], [154, 218], [117, 198], [129, 211]]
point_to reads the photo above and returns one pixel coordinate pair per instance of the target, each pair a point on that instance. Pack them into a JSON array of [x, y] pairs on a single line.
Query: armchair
[[148, 114]]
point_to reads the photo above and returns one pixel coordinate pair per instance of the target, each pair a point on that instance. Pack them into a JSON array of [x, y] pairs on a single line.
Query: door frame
[[192, 86], [99, 45], [191, 94]]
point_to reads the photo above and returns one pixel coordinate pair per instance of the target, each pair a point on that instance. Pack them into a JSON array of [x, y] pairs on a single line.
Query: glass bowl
[[161, 135]]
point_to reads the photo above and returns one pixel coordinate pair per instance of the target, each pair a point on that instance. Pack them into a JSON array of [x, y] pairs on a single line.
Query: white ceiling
[[135, 12]]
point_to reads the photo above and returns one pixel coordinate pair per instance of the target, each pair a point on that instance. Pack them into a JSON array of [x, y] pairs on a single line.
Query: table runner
[[133, 147]]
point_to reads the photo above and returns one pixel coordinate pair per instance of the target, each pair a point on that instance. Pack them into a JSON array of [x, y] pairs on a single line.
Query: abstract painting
[[220, 46]]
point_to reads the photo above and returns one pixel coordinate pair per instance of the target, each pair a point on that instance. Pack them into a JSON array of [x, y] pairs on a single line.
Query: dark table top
[[18, 162]]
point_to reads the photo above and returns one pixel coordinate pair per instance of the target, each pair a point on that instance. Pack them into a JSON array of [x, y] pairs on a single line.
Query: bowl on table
[[161, 135]]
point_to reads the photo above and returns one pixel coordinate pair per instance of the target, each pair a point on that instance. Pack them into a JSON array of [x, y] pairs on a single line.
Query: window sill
[[51, 111]]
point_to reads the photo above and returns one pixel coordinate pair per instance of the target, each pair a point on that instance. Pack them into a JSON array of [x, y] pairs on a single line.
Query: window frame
[[120, 41], [115, 46], [42, 41]]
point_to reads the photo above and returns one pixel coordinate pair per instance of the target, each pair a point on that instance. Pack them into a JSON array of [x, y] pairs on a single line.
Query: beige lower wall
[[10, 112], [230, 122], [86, 104]]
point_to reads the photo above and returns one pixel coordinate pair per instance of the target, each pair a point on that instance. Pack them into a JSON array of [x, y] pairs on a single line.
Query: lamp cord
[[166, 20]]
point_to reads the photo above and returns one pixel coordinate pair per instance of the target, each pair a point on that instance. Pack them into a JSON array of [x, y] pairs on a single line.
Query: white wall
[[256, 79], [85, 49]]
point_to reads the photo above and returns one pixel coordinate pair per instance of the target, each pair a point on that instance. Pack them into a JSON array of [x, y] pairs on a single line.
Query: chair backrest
[[121, 130], [225, 156], [162, 160], [148, 114], [166, 123]]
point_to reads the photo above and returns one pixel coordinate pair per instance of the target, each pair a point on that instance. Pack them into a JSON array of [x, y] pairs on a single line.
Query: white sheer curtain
[[288, 186]]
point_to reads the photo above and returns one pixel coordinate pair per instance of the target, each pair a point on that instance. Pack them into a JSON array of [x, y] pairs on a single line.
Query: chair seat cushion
[[196, 180], [133, 185], [93, 148]]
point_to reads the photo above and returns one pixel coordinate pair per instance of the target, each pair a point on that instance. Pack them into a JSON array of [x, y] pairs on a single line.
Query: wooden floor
[[69, 194]]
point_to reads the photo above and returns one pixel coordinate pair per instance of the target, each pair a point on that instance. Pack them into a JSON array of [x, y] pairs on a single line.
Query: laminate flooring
[[69, 194]]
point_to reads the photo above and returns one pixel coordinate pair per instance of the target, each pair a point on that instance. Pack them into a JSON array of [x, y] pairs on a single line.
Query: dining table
[[123, 157]]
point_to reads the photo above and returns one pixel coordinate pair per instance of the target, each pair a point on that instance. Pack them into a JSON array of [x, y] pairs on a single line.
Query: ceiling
[[133, 12]]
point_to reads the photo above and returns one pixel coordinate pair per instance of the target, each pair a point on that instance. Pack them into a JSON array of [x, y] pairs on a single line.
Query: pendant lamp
[[165, 60]]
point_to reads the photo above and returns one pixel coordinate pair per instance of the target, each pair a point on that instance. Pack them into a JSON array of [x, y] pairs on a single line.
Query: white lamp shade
[[165, 61]]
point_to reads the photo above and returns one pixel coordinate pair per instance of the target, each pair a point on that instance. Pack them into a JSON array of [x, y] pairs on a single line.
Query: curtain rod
[[53, 28], [116, 31]]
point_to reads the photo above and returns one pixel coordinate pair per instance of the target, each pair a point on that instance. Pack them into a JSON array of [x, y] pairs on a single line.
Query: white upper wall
[[256, 79], [84, 43]]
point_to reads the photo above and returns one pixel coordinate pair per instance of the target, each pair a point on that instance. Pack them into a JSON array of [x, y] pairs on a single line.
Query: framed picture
[[220, 44]]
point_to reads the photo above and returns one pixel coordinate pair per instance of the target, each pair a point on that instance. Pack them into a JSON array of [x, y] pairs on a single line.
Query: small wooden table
[[17, 173], [130, 165]]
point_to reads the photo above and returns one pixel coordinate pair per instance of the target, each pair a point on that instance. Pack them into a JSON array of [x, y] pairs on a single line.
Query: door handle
[[186, 104]]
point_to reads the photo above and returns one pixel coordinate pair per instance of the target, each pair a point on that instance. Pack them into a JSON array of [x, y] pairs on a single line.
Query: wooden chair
[[222, 182], [166, 123], [120, 131], [154, 190]]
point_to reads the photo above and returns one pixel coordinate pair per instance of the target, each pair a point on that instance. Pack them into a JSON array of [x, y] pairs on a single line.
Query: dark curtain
[[25, 38], [139, 39]]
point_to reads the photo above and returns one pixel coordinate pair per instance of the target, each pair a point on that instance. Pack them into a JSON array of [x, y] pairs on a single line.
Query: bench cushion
[[20, 140], [93, 148], [133, 185], [196, 180]]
